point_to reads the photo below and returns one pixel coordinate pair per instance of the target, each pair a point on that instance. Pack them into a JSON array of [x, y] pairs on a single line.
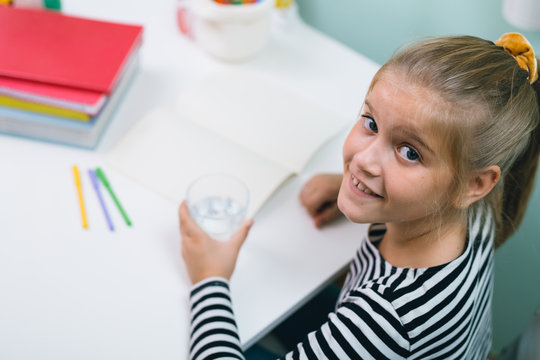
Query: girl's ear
[[480, 183]]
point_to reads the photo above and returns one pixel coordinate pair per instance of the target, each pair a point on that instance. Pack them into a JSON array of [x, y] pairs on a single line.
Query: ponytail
[[518, 184]]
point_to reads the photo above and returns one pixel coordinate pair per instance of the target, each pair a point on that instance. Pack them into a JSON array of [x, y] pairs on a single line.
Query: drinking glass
[[218, 203]]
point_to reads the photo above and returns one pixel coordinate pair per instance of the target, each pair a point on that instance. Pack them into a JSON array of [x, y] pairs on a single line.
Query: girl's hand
[[319, 197], [205, 256]]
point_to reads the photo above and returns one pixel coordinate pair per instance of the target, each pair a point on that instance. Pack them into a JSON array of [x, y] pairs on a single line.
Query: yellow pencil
[[77, 177]]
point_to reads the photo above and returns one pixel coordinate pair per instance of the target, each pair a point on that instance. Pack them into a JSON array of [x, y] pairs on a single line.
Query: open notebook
[[233, 122]]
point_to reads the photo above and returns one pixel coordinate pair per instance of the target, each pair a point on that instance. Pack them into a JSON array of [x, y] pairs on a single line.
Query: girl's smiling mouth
[[363, 188]]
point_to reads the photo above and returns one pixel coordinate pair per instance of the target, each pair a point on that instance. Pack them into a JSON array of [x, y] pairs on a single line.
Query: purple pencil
[[95, 183]]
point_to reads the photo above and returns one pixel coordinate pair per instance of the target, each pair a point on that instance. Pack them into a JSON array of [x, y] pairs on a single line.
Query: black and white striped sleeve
[[365, 326], [214, 334]]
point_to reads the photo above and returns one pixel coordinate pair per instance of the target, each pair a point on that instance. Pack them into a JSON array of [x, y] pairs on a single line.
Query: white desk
[[69, 293]]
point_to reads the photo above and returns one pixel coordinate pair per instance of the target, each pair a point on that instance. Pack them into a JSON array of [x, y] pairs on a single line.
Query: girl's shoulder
[[481, 228], [375, 273]]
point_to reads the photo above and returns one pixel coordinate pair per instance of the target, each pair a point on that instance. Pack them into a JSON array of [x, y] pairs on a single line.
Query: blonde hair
[[488, 112]]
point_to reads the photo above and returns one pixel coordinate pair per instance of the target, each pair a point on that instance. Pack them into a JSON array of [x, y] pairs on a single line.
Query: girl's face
[[395, 170]]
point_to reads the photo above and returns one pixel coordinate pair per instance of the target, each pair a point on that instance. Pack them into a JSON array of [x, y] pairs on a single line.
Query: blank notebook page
[[262, 116], [165, 154], [232, 122]]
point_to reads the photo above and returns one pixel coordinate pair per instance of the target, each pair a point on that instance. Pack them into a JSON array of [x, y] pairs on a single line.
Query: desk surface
[[69, 293]]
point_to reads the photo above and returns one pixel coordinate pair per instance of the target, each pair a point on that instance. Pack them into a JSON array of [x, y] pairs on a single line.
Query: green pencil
[[101, 175]]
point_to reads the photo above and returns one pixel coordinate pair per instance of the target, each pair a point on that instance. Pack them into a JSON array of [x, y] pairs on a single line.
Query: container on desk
[[218, 203], [229, 32]]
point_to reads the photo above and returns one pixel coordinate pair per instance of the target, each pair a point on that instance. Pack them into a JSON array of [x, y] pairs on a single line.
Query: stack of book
[[61, 77]]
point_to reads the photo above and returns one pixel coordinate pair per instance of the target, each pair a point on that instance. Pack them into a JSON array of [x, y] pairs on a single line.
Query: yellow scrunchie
[[521, 49]]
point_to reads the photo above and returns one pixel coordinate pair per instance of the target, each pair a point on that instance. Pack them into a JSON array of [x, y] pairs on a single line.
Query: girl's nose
[[369, 159]]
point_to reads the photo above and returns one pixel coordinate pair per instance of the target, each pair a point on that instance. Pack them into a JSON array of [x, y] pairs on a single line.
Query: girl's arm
[[210, 263], [366, 326], [213, 332]]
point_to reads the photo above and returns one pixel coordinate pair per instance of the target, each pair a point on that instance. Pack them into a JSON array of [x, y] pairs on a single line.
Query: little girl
[[441, 162]]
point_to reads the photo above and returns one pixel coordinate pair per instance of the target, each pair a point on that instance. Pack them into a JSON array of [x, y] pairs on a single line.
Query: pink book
[[86, 101]]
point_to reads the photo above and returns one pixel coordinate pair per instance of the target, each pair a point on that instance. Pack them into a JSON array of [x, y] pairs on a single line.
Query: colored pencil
[[101, 176], [77, 178], [95, 183]]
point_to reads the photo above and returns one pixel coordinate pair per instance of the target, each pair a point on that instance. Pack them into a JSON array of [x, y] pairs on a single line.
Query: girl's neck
[[421, 245]]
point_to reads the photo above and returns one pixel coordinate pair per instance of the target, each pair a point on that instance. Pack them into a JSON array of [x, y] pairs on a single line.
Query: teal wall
[[376, 29]]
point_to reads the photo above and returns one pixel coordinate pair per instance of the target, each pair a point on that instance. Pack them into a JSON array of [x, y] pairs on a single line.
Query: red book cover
[[50, 47]]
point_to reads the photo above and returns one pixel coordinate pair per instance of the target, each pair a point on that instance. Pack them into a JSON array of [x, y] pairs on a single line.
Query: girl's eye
[[408, 153], [370, 124]]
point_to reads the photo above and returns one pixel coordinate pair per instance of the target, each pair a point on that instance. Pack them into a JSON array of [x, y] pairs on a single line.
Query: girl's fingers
[[329, 213], [188, 226], [183, 212], [306, 194], [311, 201], [241, 234], [319, 190]]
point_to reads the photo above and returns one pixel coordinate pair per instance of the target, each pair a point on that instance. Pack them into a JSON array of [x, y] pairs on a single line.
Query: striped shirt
[[383, 312]]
